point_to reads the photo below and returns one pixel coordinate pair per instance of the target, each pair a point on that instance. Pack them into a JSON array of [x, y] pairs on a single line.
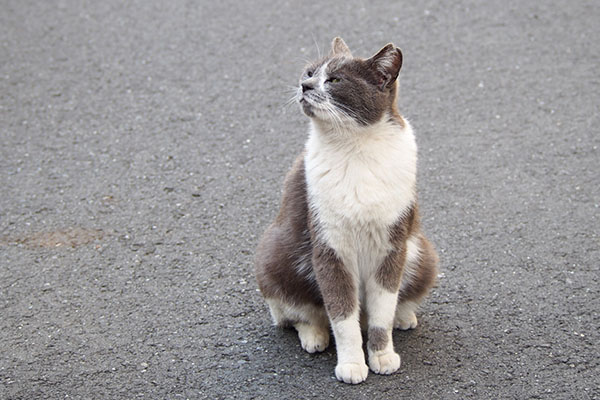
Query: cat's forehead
[[330, 65], [337, 63]]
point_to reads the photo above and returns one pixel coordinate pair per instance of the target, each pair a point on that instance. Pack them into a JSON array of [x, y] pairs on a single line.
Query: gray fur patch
[[337, 286], [378, 338], [284, 253]]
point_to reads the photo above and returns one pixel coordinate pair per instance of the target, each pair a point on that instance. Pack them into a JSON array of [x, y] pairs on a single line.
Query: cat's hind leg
[[309, 320], [405, 317], [419, 275]]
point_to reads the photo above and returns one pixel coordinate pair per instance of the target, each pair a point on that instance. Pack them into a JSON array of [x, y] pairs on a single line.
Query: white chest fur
[[359, 184]]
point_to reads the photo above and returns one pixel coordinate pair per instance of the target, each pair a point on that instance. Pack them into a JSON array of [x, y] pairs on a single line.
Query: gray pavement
[[143, 146]]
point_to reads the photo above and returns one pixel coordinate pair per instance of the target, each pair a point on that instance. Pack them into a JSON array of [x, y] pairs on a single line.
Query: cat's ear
[[387, 63], [339, 48]]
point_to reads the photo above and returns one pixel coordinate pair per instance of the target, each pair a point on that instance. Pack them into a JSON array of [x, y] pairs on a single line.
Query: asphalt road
[[143, 146]]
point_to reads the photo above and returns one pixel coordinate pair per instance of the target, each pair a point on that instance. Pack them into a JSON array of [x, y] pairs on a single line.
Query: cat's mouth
[[310, 104]]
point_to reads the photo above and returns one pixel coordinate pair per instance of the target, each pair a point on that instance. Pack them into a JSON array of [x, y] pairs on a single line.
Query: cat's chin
[[307, 109]]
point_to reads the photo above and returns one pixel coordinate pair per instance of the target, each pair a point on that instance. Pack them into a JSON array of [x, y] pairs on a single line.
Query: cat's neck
[[353, 134]]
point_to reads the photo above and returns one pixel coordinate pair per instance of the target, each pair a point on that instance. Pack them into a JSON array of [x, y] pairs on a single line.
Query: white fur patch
[[360, 182], [405, 317], [322, 77], [351, 367], [380, 305], [310, 321], [384, 362], [284, 312], [313, 338], [413, 253]]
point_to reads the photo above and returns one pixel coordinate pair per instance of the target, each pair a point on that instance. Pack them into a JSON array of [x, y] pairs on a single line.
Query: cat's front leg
[[340, 294], [351, 366], [381, 299]]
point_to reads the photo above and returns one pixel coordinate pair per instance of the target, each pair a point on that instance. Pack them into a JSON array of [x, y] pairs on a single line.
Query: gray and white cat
[[346, 249]]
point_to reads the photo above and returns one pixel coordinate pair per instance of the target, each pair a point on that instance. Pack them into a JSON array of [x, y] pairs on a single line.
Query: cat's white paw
[[313, 339], [384, 364], [352, 372], [406, 320]]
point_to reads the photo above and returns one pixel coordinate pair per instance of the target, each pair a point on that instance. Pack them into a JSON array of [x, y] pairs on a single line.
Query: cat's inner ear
[[387, 62], [339, 48]]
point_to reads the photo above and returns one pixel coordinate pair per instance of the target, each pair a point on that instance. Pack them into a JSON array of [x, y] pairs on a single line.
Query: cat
[[346, 251]]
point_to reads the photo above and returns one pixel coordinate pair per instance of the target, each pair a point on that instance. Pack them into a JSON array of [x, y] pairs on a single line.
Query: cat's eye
[[309, 74], [334, 80]]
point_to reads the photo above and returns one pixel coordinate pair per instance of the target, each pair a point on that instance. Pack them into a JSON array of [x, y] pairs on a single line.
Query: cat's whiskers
[[334, 118], [316, 45], [339, 114], [346, 111], [295, 95]]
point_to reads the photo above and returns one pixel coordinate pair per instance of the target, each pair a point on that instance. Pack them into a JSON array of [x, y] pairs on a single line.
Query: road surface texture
[[143, 147]]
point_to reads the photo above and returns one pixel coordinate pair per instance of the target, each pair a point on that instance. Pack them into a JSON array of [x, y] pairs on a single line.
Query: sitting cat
[[346, 247]]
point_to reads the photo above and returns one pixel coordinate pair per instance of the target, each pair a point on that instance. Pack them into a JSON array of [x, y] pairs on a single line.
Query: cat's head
[[343, 90]]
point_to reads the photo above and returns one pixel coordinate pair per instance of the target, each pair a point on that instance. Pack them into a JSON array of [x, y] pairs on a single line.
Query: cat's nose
[[306, 87]]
